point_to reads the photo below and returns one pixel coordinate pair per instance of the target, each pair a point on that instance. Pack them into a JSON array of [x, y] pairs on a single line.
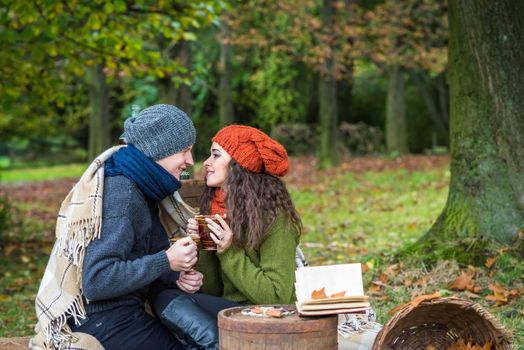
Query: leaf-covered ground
[[366, 210]]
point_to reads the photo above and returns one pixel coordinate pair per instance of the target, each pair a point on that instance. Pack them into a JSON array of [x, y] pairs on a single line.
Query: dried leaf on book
[[319, 294], [330, 289]]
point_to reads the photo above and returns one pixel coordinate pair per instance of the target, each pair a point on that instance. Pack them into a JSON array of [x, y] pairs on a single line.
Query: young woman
[[256, 242]]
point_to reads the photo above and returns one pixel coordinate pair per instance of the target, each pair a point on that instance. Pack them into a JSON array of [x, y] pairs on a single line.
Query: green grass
[[44, 173], [356, 216], [348, 217]]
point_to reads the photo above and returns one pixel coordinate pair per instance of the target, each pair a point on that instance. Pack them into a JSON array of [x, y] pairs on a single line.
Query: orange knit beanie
[[254, 150]]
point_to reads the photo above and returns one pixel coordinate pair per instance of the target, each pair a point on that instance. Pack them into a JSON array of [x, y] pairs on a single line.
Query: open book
[[331, 289]]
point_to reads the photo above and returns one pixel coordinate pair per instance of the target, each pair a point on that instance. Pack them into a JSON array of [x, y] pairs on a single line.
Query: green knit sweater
[[247, 276]]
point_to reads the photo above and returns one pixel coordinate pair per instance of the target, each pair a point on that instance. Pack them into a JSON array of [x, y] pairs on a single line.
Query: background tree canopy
[[71, 70]]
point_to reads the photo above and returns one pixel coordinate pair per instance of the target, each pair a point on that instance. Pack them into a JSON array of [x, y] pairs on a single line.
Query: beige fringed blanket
[[79, 222]]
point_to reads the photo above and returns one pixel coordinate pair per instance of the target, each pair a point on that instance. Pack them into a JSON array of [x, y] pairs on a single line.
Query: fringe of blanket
[[77, 237], [55, 331]]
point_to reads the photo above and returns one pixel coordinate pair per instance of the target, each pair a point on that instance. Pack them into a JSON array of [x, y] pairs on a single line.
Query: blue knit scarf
[[153, 180]]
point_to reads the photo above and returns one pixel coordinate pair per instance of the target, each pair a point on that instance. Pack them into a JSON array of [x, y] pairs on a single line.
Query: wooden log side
[[230, 340], [17, 343], [237, 331]]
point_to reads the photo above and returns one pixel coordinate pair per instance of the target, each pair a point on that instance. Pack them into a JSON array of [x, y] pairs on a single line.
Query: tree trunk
[[171, 94], [431, 103], [99, 126], [328, 118], [486, 78], [225, 93], [396, 136]]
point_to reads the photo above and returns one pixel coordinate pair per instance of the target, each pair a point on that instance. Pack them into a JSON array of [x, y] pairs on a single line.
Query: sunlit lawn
[[43, 173], [352, 217], [348, 217]]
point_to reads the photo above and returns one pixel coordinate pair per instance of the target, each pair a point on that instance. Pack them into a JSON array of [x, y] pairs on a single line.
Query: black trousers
[[160, 296], [128, 327]]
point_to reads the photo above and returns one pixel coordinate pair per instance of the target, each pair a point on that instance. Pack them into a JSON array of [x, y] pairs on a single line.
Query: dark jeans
[[160, 296], [128, 327]]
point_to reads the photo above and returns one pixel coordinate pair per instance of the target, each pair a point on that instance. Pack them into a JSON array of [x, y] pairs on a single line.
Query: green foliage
[[276, 96], [46, 47]]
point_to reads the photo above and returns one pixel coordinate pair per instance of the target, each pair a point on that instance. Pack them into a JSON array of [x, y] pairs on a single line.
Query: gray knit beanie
[[160, 131]]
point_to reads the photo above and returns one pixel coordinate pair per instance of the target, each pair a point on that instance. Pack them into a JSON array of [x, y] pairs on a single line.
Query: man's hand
[[182, 255]]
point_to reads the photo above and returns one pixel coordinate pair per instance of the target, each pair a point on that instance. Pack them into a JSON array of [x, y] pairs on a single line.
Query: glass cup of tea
[[204, 232]]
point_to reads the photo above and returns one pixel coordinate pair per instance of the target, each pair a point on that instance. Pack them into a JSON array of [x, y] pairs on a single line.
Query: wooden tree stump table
[[237, 331]]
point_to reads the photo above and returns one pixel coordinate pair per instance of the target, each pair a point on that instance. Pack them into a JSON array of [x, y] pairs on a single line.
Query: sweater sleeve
[[107, 271], [121, 260], [272, 280]]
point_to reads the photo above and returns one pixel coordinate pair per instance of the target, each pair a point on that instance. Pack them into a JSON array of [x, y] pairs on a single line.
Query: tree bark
[[225, 93], [171, 94], [486, 78], [99, 120], [396, 135], [328, 118]]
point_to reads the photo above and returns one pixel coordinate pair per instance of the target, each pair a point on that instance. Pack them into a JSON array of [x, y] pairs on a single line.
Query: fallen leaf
[[415, 302], [365, 267], [465, 281], [319, 294], [338, 295], [501, 295], [430, 347], [423, 281], [490, 262], [383, 278]]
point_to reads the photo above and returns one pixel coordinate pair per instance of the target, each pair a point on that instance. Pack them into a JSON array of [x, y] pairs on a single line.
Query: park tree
[[403, 37], [225, 68], [486, 78], [95, 42], [294, 36]]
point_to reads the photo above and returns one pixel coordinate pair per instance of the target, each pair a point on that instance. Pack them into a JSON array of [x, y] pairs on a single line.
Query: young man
[[111, 245]]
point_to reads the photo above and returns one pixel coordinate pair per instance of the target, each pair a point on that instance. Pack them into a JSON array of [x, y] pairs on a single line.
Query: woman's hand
[[182, 255], [190, 281], [192, 226], [221, 234]]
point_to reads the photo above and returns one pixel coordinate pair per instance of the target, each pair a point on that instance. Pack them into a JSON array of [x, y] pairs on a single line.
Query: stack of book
[[332, 289]]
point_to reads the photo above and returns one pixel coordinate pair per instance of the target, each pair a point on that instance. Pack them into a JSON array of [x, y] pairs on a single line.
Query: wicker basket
[[441, 322]]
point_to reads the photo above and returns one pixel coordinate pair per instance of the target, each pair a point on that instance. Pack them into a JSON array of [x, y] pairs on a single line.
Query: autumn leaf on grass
[[465, 282], [415, 302], [390, 271], [376, 287], [423, 281], [319, 294], [430, 347], [501, 295], [490, 262]]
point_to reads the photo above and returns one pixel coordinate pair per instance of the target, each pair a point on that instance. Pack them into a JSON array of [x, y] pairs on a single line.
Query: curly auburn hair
[[254, 201]]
